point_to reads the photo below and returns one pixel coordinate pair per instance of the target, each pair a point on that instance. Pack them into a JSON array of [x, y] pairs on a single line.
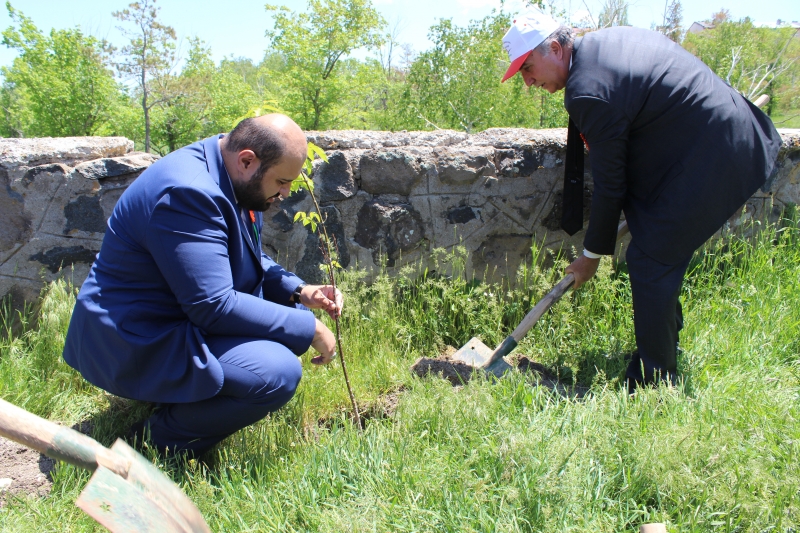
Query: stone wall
[[55, 198], [391, 197]]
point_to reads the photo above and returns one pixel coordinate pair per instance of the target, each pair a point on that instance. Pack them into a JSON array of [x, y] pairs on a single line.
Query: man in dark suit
[[183, 308], [670, 144]]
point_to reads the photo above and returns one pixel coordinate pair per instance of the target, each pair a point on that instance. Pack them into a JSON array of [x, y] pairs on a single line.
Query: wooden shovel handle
[[553, 296], [57, 441], [541, 308]]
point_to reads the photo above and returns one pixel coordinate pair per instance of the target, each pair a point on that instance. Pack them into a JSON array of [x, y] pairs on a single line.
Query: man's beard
[[250, 195]]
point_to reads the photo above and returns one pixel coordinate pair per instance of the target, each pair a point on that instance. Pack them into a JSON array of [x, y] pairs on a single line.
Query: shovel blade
[[474, 353], [121, 508], [499, 367], [146, 501]]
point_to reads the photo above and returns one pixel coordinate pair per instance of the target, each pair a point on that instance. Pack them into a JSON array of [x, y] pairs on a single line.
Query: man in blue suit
[[182, 307], [670, 144]]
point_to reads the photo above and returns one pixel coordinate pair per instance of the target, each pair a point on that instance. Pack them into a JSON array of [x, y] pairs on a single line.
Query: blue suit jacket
[[177, 264], [670, 143]]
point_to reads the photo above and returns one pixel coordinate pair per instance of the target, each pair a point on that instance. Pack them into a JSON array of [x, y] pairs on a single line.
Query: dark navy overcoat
[[670, 143]]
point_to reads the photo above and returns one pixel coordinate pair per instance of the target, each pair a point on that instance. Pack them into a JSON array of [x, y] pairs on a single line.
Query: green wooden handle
[[57, 441]]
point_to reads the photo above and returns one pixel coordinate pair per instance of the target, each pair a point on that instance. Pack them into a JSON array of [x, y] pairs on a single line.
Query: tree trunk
[[146, 113], [317, 111]]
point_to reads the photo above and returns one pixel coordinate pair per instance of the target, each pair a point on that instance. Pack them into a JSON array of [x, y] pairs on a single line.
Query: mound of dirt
[[23, 471], [455, 372], [458, 373]]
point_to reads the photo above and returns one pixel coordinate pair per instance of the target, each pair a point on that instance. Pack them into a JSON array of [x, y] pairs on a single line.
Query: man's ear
[[246, 158], [556, 48]]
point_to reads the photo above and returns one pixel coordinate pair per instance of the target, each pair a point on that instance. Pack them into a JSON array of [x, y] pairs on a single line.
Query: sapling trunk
[[327, 256]]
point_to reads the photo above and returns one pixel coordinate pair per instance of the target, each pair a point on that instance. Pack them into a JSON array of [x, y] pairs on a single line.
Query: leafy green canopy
[[456, 84], [63, 84], [312, 45], [752, 60], [60, 85]]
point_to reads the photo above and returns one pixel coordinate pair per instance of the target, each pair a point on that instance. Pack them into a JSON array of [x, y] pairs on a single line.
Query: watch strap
[[296, 294]]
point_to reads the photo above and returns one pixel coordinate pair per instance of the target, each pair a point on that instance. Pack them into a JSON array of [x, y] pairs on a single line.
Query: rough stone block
[[111, 167], [389, 229], [308, 267], [45, 256], [465, 167], [64, 150], [453, 218], [499, 256], [16, 226], [75, 209], [523, 199], [389, 172], [334, 180], [349, 209]]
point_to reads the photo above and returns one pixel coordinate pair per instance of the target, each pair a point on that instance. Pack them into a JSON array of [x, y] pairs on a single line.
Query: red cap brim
[[515, 65]]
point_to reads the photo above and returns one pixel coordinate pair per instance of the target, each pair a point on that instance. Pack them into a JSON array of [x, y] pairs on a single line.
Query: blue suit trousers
[[657, 317], [260, 377]]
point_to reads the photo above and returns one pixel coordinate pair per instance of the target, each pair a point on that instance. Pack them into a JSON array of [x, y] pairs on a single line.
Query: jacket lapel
[[216, 168]]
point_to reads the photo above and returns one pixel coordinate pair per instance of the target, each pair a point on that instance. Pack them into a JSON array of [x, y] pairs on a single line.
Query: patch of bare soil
[[385, 406], [458, 373], [23, 471]]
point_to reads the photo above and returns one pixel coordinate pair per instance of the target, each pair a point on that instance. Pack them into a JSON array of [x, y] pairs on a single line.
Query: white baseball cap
[[528, 30]]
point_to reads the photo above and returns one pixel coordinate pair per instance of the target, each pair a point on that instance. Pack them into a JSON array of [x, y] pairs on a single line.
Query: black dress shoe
[[136, 435]]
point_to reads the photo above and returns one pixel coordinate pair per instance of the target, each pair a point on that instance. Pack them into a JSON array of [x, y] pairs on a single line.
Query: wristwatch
[[295, 298]]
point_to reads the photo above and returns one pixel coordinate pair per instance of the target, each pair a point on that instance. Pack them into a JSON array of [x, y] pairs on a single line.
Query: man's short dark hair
[[564, 35], [268, 146]]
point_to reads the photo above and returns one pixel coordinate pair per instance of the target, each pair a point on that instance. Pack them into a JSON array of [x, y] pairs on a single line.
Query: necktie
[[572, 198]]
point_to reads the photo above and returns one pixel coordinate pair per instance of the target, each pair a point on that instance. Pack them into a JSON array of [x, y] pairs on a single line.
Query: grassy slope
[[790, 119], [721, 454]]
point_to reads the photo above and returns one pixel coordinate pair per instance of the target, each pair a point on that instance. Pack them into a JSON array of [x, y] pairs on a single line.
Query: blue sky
[[239, 30]]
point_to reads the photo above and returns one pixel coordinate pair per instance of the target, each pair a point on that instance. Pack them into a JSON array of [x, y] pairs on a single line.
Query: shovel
[[476, 354], [126, 493]]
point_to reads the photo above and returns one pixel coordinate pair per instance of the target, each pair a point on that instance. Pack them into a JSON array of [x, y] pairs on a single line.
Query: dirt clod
[[453, 371]]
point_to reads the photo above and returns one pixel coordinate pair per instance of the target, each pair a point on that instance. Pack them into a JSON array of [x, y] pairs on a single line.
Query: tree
[[750, 59], [312, 45], [59, 85], [234, 89], [386, 52], [456, 84], [613, 13], [244, 68], [150, 56], [723, 15], [671, 22], [180, 115]]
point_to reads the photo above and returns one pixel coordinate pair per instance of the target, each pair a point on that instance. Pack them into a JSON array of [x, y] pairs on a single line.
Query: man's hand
[[325, 343], [583, 268], [322, 297]]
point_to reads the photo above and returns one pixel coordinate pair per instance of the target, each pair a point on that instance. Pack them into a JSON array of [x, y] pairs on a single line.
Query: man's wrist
[[591, 255]]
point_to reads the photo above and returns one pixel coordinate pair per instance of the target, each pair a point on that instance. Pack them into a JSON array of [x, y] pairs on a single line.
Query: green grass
[[721, 453], [789, 119]]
